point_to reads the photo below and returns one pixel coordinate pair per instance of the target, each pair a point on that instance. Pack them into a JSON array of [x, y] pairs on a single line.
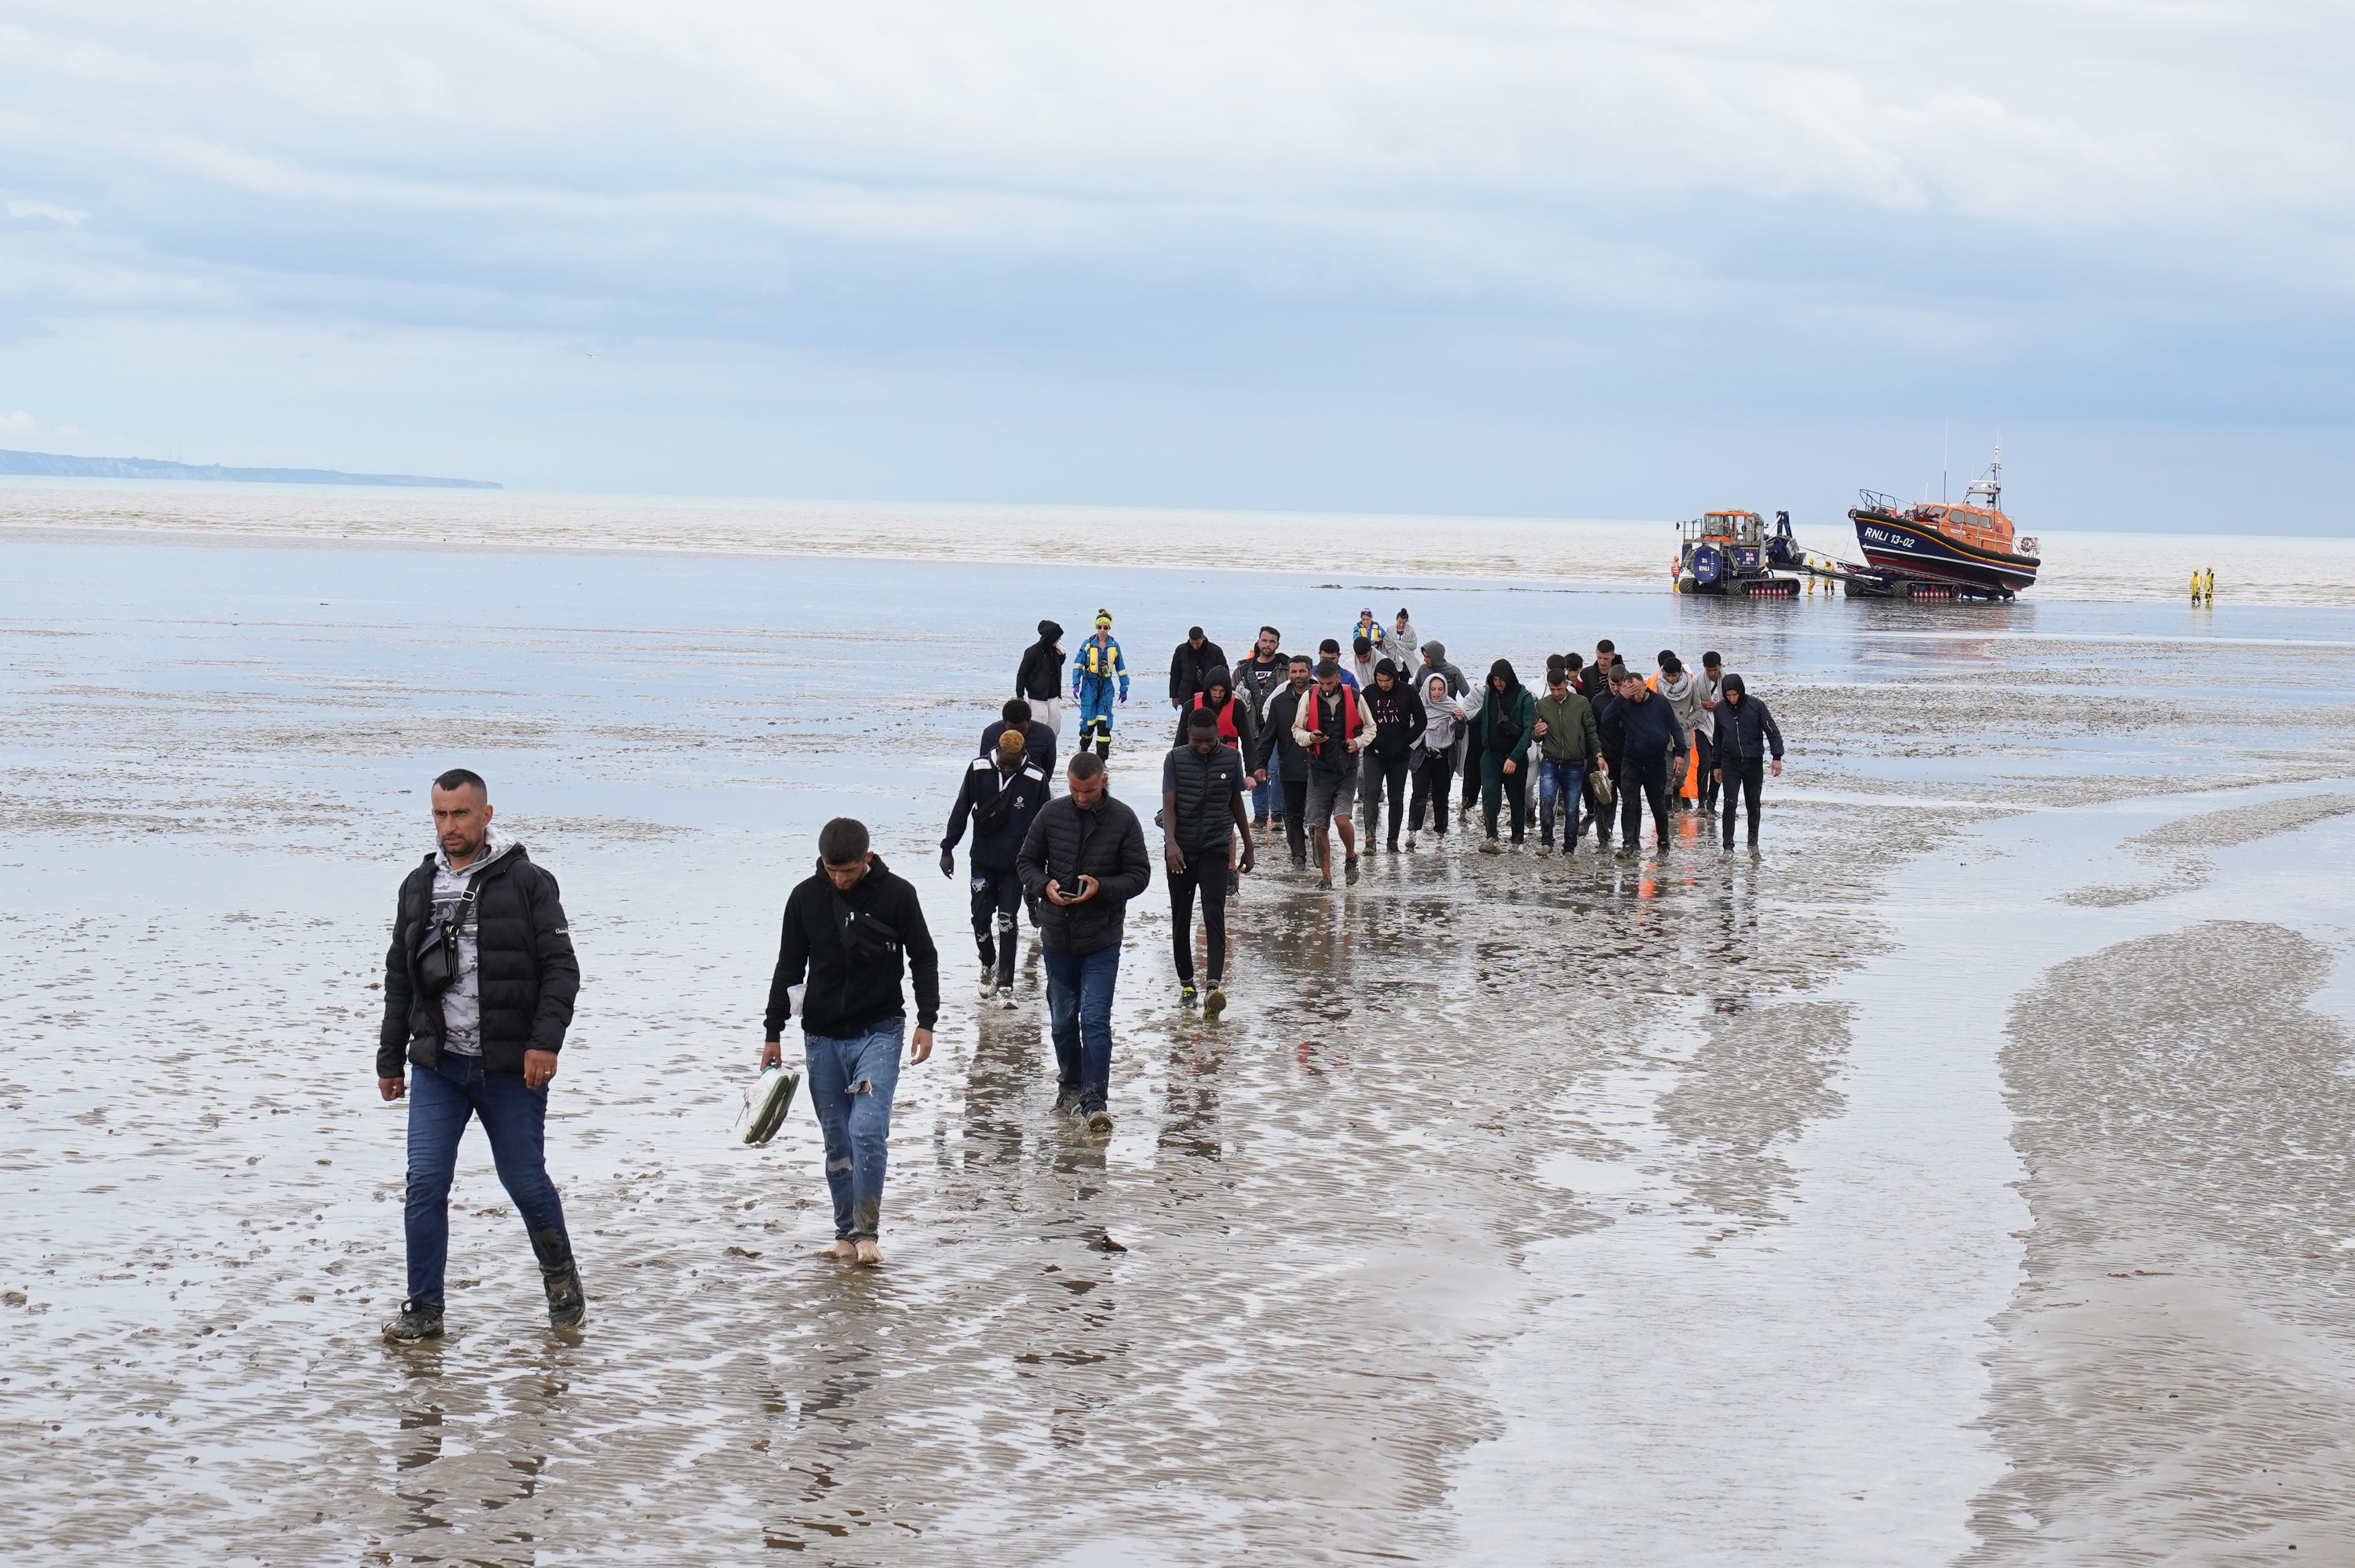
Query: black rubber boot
[[418, 1320], [568, 1308]]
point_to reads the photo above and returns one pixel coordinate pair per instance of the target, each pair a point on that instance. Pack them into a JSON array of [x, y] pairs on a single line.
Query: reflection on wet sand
[[2177, 1364], [1251, 1326]]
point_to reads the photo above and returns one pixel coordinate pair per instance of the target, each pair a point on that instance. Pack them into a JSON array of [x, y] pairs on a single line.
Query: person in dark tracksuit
[[1650, 731], [1000, 795], [847, 929], [1746, 733], [478, 990], [1259, 677]]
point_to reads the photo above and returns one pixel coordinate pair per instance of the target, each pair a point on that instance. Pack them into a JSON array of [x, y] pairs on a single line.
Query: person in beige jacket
[[1332, 724]]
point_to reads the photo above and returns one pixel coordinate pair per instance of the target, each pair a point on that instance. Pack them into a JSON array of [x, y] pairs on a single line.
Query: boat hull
[[1897, 544]]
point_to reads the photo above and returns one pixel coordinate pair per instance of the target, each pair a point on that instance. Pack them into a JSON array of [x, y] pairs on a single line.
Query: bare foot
[[841, 1249], [869, 1253]]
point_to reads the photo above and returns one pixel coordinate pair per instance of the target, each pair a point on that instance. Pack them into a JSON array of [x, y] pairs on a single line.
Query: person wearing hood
[[1443, 719], [478, 990], [1398, 728], [1232, 714], [1648, 730], [1501, 730], [999, 794], [1398, 643], [1190, 665], [1093, 676], [1746, 734], [849, 927], [1565, 729], [1683, 693], [1461, 759], [1039, 681]]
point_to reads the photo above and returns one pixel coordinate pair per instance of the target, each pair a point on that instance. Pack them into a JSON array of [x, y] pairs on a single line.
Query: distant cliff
[[150, 468]]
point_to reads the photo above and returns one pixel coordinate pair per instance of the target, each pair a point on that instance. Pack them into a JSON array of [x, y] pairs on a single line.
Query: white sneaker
[[1006, 998], [988, 984]]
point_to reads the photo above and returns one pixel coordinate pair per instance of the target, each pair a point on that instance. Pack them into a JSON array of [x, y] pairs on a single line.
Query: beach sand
[[1518, 1210]]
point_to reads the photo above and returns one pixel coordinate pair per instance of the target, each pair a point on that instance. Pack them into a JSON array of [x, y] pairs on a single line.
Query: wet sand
[[1296, 1309]]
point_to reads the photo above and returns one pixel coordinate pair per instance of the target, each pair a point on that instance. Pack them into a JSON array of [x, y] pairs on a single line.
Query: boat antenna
[[1946, 457]]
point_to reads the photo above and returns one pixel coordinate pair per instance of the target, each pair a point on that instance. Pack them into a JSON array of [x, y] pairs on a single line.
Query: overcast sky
[[1591, 260]]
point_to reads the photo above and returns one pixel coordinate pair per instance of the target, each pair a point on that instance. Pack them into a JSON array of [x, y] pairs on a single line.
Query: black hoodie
[[1039, 678], [849, 995]]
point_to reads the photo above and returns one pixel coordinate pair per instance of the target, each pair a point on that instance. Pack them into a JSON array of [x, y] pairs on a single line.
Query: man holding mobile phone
[[1085, 858]]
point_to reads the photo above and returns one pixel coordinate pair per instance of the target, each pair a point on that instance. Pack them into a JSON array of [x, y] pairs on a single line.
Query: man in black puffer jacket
[[847, 927], [478, 990], [1086, 856]]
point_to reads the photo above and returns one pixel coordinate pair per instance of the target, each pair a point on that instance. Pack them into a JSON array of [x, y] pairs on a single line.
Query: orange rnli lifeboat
[[1971, 544]]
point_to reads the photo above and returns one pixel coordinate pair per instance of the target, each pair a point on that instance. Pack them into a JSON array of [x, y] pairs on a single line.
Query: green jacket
[[1519, 716], [1569, 736]]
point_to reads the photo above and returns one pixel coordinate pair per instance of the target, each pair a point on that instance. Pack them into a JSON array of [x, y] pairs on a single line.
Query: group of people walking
[[1362, 741]]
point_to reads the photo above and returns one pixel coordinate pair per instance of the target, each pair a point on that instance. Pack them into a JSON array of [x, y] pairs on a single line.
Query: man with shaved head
[[479, 991]]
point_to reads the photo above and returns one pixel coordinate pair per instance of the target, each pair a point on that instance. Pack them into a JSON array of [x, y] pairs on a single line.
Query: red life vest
[[1350, 719], [1226, 714]]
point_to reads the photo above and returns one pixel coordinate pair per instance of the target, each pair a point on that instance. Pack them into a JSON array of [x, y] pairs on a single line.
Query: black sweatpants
[[1204, 872], [1749, 774], [1374, 775], [1643, 779], [1604, 818], [1431, 777], [1295, 818], [996, 895]]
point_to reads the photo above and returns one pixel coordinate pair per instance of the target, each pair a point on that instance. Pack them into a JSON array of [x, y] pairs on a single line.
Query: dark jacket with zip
[[1746, 730], [844, 995], [1066, 843], [987, 792], [1280, 757], [1255, 682], [1037, 745], [1191, 668], [1650, 728], [524, 970]]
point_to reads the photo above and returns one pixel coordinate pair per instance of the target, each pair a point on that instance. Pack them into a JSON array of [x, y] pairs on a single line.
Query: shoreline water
[[1561, 554], [1335, 1230]]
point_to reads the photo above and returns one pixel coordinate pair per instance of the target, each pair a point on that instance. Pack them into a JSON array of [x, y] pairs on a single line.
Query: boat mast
[[1991, 486]]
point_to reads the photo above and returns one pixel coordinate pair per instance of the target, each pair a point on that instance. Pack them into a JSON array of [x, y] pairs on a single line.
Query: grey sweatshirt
[[461, 1004]]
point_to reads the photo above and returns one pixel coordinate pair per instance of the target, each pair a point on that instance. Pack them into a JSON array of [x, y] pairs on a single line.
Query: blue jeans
[[1079, 1006], [515, 1118], [850, 1083], [1266, 799], [1568, 780]]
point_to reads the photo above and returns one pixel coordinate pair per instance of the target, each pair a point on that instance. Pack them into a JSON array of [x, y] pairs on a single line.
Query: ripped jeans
[[850, 1084]]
